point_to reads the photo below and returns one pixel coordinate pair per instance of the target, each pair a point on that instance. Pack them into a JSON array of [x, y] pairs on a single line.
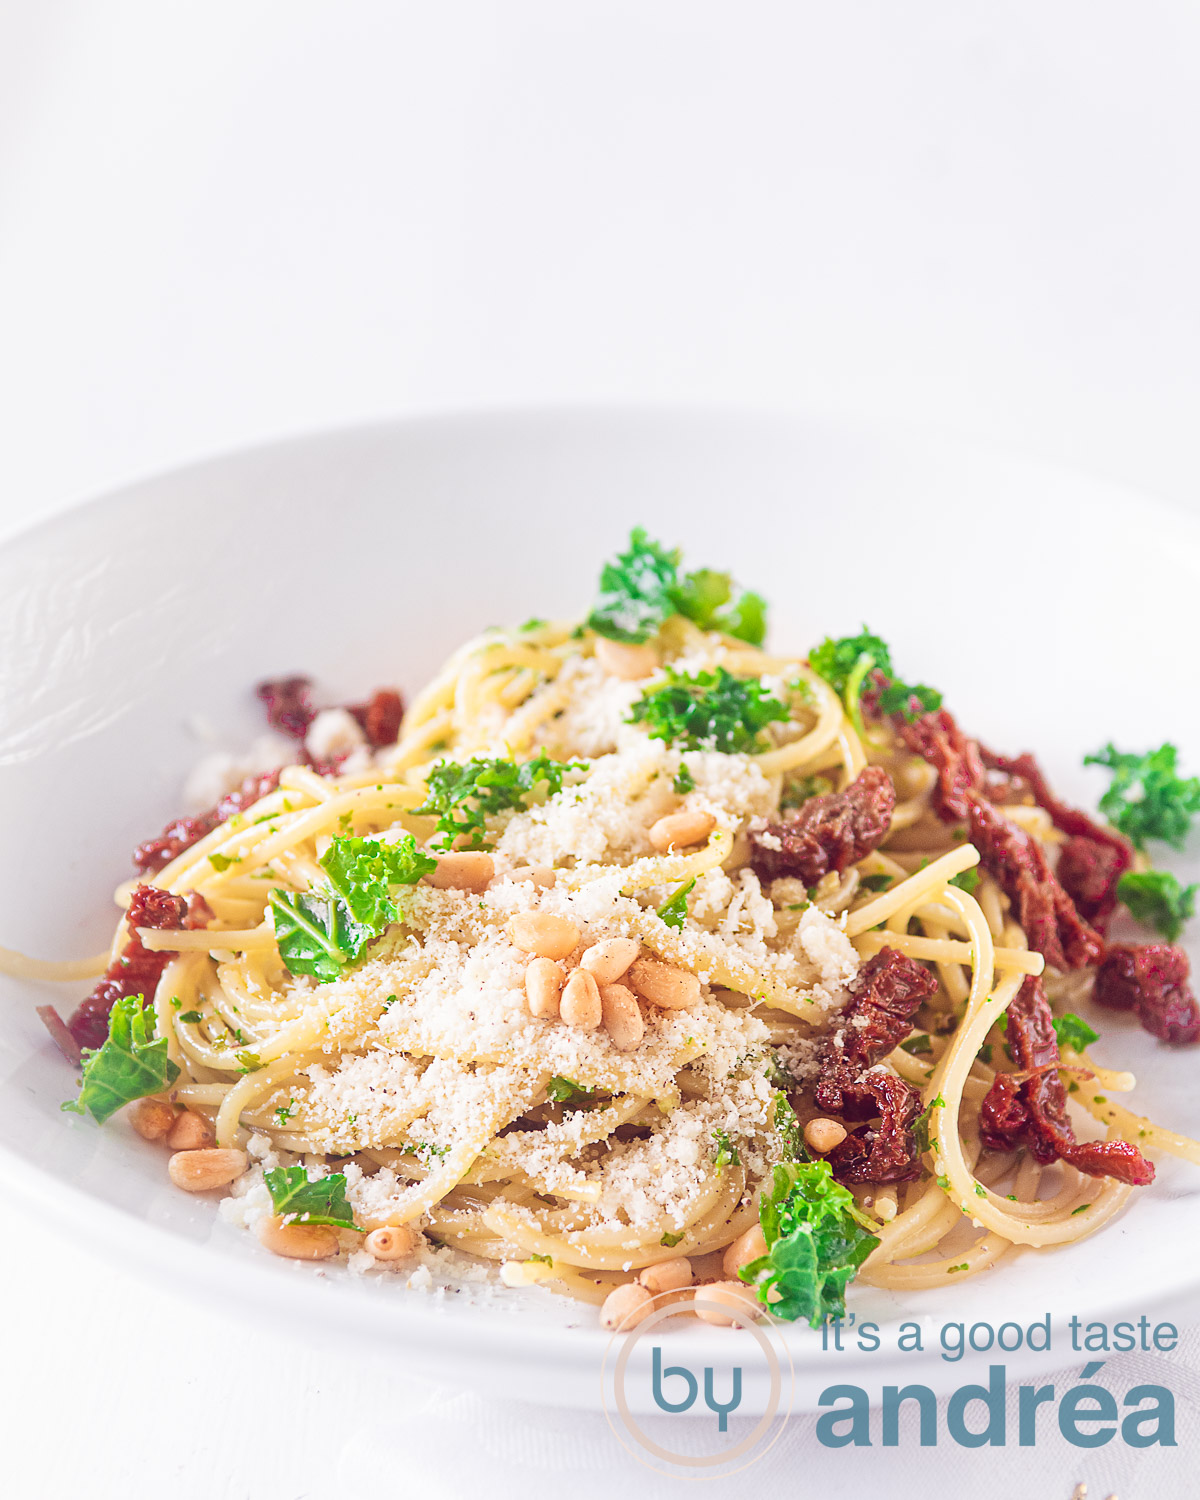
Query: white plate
[[1053, 612]]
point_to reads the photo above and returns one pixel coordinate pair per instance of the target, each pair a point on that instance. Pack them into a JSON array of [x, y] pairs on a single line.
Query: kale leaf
[[319, 1202], [642, 586], [129, 1064], [566, 1091], [1147, 798], [845, 664], [1156, 898], [1074, 1032], [674, 910], [817, 1238], [709, 711], [463, 794]]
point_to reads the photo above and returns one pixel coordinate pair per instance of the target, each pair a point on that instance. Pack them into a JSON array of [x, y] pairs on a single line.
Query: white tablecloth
[[227, 221]]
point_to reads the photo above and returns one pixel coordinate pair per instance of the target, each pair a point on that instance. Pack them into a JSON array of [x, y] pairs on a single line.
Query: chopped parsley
[[319, 1202], [533, 623], [1147, 798], [190, 1016], [684, 781], [642, 587], [543, 1260], [223, 861], [670, 1240], [566, 1091], [323, 932], [674, 911], [789, 1130], [1156, 899], [797, 793], [966, 880], [727, 1153], [709, 711], [817, 1238], [921, 1123], [129, 1064], [1082, 1207], [427, 1153], [846, 664], [284, 1113], [1074, 1032], [462, 795], [875, 882], [921, 1043]]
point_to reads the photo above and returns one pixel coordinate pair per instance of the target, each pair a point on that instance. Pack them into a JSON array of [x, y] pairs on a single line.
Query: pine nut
[[743, 1250], [823, 1135], [296, 1241], [190, 1132], [151, 1118], [608, 959], [463, 870], [622, 1016], [580, 1004], [543, 986], [667, 1275], [629, 662], [733, 1294], [547, 936], [625, 1306], [682, 829], [540, 875], [391, 1242], [661, 984], [201, 1171]]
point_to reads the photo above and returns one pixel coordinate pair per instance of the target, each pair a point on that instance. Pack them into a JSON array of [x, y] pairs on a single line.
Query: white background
[[231, 220]]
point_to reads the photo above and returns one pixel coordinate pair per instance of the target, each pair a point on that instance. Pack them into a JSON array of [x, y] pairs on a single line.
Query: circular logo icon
[[685, 1411]]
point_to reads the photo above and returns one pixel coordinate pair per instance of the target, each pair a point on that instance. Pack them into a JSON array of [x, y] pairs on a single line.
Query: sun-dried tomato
[[379, 718], [1019, 866], [1152, 981], [826, 833], [180, 835], [886, 1152], [936, 738], [289, 704], [137, 970], [1030, 1109]]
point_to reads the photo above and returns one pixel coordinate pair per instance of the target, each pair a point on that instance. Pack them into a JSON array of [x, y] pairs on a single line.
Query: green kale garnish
[[462, 795], [847, 663], [129, 1064], [674, 911], [1074, 1032], [817, 1238], [319, 1202], [709, 711], [1147, 798], [566, 1091], [727, 1153], [1156, 898], [642, 587], [323, 932]]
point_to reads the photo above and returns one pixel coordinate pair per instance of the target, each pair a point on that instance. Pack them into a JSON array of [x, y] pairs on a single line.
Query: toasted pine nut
[[296, 1241], [625, 1306], [190, 1132], [682, 829], [629, 662], [608, 959], [580, 1004], [392, 1242], [733, 1294], [622, 1016], [541, 933], [201, 1171], [463, 870], [823, 1135], [661, 984], [743, 1250], [543, 986], [542, 875], [667, 1275], [151, 1118]]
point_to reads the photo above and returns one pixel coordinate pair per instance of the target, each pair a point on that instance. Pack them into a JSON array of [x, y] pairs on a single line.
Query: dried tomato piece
[[289, 704], [886, 1152], [379, 718], [936, 738], [1152, 981], [1019, 866], [137, 970], [827, 833], [181, 834], [1031, 1111]]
